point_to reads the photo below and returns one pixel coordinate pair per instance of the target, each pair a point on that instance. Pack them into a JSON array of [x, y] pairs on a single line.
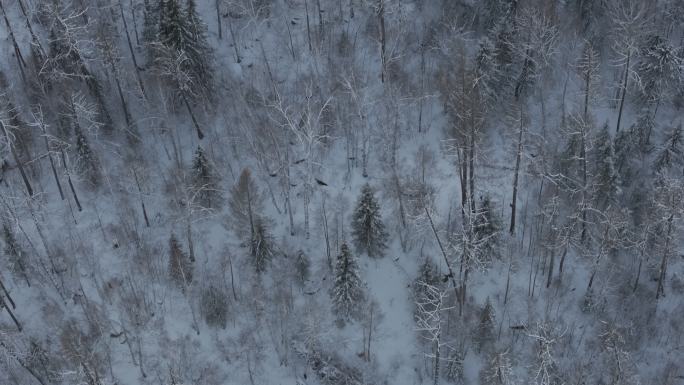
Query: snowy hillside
[[341, 192]]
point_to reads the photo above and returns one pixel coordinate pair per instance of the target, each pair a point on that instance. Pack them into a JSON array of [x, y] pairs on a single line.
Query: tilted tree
[[368, 229]]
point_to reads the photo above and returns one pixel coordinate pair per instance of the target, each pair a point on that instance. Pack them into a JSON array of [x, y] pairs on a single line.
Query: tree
[[368, 230], [588, 70], [347, 292], [180, 265], [87, 163], [17, 257], [628, 24], [487, 227], [214, 307], [185, 33], [606, 178], [498, 370], [430, 323], [205, 181], [671, 152], [245, 205], [302, 265], [659, 70], [261, 247], [484, 334]]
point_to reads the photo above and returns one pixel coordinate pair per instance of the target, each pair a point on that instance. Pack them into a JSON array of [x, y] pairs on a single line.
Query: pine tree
[[180, 266], [347, 292], [368, 230], [485, 330], [261, 247], [671, 153], [17, 258], [606, 177], [204, 181]]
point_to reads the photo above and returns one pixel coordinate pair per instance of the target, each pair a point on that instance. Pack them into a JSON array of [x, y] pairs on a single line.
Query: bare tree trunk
[[142, 202], [308, 24], [218, 19], [130, 48], [200, 134], [623, 89], [17, 51], [52, 161], [383, 58], [71, 184], [518, 159], [235, 42], [327, 235], [666, 254]]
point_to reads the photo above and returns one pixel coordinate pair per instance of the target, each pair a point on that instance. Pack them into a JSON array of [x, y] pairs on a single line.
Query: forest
[[341, 192]]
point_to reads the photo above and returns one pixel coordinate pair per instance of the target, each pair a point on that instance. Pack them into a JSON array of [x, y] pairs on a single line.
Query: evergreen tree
[[487, 231], [180, 266], [17, 258], [347, 292], [606, 177], [184, 33], [261, 247], [671, 153], [485, 330], [368, 230], [204, 181]]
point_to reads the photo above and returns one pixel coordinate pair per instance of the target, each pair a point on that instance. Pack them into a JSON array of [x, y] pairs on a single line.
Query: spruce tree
[[183, 32], [606, 176], [671, 153], [204, 181], [368, 230], [180, 266], [347, 292]]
